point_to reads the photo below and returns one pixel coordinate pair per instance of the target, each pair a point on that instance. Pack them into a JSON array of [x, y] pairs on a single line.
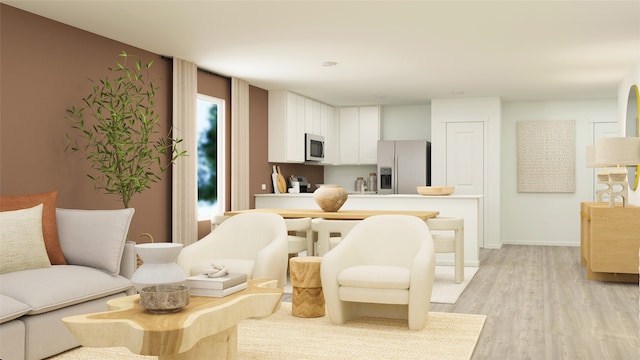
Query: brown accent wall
[[43, 70], [259, 169]]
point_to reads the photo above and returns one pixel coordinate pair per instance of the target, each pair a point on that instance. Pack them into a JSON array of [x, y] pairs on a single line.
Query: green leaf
[[119, 136]]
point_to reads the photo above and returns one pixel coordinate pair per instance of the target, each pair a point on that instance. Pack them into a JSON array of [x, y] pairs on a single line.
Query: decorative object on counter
[[294, 185], [274, 179], [162, 299], [303, 183], [282, 184], [158, 265], [360, 184], [329, 197], [436, 190], [373, 182]]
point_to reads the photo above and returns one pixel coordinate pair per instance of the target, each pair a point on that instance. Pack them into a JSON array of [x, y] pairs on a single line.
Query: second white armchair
[[384, 267]]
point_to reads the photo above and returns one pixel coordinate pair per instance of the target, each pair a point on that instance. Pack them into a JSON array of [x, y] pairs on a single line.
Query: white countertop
[[377, 196]]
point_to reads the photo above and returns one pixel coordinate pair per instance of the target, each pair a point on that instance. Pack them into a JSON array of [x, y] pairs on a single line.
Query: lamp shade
[[618, 151], [591, 159]]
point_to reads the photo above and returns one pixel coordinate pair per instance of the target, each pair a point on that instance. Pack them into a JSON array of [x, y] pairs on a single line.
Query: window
[[210, 156]]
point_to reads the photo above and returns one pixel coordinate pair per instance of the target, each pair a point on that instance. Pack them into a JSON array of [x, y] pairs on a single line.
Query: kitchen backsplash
[[346, 175]]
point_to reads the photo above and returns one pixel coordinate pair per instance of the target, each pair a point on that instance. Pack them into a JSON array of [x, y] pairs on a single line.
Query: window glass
[[210, 156]]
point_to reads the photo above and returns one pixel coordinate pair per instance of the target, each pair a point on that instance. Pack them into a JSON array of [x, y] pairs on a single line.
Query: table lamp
[[623, 152], [602, 177]]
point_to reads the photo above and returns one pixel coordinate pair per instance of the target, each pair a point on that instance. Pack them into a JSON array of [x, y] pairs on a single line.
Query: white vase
[[330, 197], [158, 265]]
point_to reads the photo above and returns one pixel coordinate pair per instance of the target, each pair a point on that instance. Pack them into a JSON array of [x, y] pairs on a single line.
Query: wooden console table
[[204, 329], [609, 241]]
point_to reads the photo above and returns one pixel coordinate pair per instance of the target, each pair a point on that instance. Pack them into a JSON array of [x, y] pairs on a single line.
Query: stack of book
[[202, 285]]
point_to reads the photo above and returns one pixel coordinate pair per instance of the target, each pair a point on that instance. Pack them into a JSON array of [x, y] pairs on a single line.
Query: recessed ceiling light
[[329, 63]]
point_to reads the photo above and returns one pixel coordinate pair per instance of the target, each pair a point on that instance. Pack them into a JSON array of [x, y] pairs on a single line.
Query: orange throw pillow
[[49, 225]]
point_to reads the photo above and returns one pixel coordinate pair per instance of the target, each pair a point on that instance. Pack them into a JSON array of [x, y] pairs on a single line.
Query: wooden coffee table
[[204, 329]]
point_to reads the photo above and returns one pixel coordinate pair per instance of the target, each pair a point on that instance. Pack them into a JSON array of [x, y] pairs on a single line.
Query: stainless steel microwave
[[313, 147]]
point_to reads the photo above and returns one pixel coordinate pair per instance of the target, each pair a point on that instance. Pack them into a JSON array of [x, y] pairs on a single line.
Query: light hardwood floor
[[539, 305]]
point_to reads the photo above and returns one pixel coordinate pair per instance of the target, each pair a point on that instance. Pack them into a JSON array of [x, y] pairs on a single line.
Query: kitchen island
[[467, 207]]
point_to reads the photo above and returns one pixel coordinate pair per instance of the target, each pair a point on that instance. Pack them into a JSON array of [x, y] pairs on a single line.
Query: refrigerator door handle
[[395, 173]]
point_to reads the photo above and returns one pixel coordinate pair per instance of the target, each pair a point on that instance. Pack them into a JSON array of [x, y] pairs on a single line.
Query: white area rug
[[445, 290], [447, 336]]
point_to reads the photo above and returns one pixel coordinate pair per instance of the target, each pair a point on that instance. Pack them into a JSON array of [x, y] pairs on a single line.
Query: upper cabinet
[[290, 117], [286, 127], [359, 132]]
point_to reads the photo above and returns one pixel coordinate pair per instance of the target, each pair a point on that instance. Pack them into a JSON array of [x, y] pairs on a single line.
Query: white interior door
[[465, 157]]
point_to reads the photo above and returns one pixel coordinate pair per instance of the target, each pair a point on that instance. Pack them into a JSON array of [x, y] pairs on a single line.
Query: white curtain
[[185, 182], [239, 144]]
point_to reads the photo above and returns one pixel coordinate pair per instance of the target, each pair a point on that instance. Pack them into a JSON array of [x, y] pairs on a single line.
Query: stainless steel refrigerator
[[403, 165]]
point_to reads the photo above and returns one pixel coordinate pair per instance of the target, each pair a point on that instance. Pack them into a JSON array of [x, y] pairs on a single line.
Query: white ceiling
[[388, 52]]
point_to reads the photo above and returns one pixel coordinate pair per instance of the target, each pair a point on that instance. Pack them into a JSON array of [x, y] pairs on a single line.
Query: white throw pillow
[[21, 241], [94, 238]]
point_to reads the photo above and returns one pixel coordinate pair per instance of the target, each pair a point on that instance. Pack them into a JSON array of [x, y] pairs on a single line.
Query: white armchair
[[383, 268], [251, 243]]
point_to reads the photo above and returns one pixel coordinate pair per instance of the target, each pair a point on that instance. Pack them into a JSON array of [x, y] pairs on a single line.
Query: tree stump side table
[[307, 298]]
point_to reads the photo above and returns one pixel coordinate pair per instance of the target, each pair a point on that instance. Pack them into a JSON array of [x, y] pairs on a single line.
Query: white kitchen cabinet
[[326, 130], [286, 127], [312, 117], [290, 117], [369, 134], [359, 132], [348, 130]]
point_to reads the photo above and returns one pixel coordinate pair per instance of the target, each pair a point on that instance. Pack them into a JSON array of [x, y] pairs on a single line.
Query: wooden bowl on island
[[436, 190]]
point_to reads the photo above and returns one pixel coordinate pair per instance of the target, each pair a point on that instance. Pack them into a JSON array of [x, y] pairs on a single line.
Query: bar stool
[[325, 228], [449, 243], [300, 236]]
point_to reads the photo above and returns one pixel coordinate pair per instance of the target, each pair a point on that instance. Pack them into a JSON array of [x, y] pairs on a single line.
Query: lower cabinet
[[609, 241]]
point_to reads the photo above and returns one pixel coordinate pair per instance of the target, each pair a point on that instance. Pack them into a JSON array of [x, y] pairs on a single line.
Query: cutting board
[[282, 184]]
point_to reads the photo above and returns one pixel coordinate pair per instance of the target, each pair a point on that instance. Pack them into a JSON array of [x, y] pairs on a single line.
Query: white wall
[[633, 77], [548, 218], [412, 122]]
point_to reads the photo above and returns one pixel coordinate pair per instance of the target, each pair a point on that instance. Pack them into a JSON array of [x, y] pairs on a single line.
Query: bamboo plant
[[121, 142]]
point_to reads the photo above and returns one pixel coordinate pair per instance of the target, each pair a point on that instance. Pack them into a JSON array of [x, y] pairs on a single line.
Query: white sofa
[[34, 301]]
